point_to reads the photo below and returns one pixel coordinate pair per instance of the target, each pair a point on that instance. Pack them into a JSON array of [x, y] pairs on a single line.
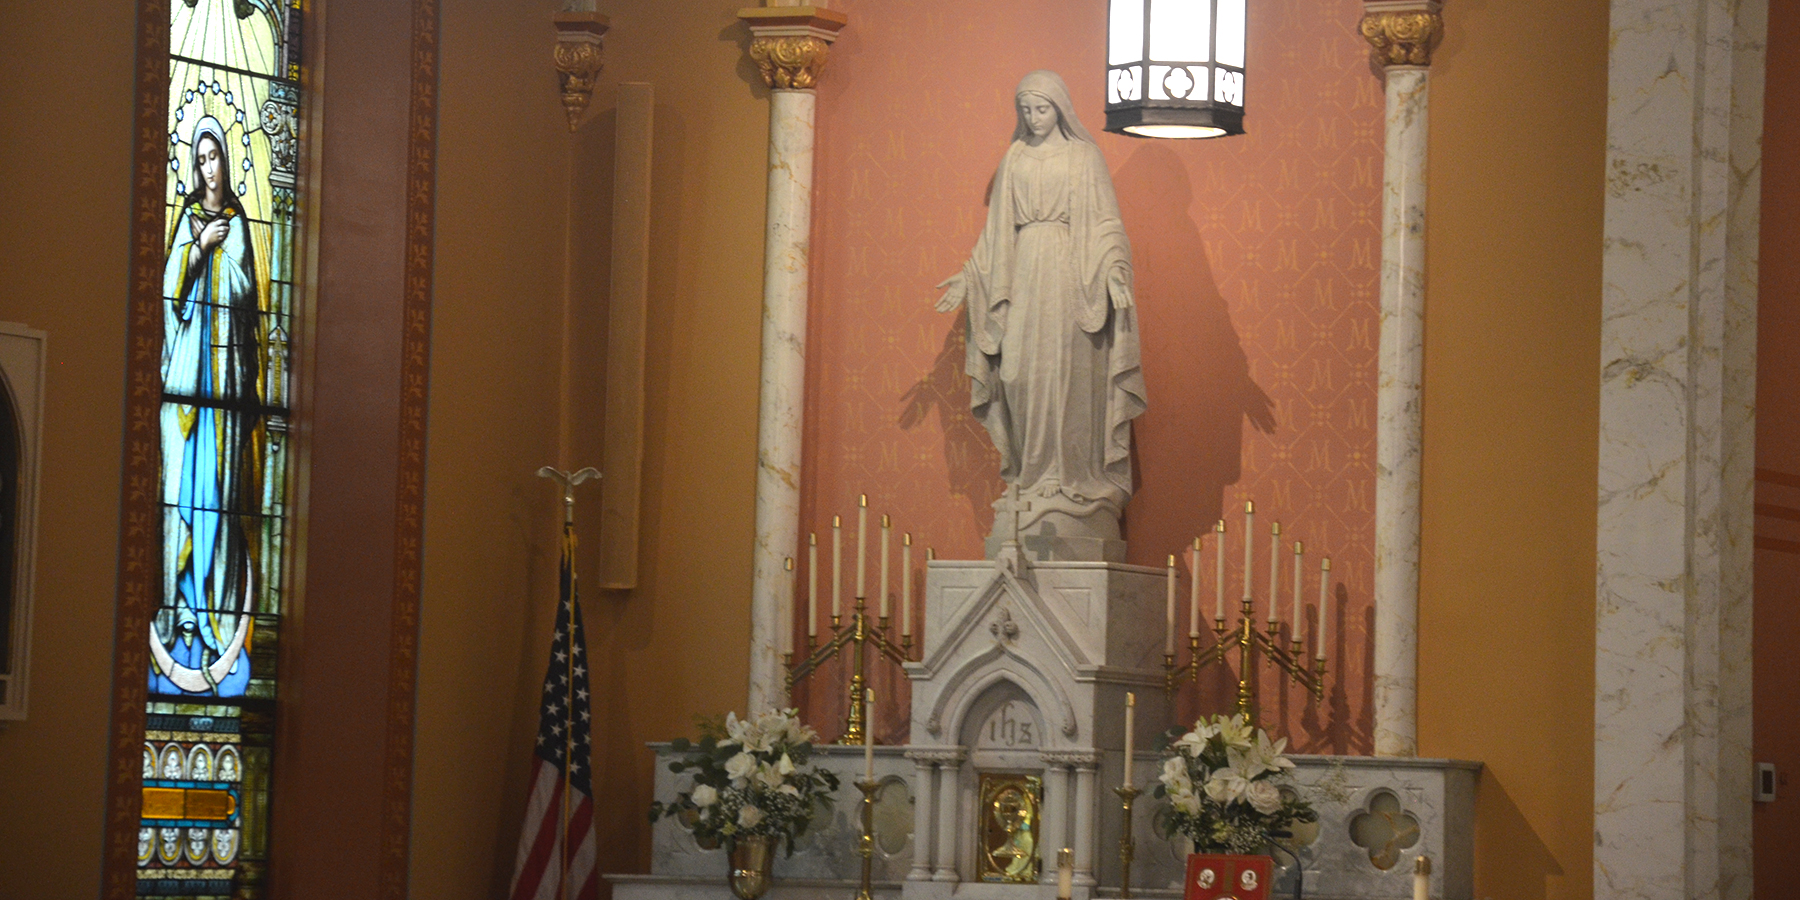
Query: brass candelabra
[[1249, 642], [858, 634]]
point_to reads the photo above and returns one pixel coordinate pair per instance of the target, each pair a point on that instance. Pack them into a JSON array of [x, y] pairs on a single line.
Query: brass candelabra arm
[[817, 657], [878, 637]]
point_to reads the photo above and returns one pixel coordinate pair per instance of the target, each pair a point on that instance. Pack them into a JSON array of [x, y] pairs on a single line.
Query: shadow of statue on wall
[[1201, 394], [969, 455]]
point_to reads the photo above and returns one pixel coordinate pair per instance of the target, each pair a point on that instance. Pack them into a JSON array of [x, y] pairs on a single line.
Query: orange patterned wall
[[1256, 264]]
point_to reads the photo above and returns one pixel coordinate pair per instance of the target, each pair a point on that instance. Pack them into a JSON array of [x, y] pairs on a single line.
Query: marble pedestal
[[1434, 796]]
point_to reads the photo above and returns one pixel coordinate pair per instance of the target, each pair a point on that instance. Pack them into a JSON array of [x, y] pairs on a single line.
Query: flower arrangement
[[1222, 784], [751, 777]]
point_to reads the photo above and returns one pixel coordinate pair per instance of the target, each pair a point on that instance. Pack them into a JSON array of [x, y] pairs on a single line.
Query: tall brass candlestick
[[1126, 848], [865, 845]]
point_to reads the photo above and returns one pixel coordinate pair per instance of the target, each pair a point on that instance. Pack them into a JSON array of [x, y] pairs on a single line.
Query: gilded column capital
[[789, 43], [577, 58], [1402, 32]]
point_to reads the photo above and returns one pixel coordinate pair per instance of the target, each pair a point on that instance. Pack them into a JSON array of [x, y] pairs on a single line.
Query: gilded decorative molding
[[1402, 37], [789, 63], [789, 43], [578, 59]]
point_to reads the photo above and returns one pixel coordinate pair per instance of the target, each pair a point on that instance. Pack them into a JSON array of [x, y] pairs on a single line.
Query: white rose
[[749, 816], [1263, 795], [705, 795], [740, 766]]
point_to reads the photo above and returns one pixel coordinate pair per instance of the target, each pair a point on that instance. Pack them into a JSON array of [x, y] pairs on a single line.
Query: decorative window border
[[22, 376]]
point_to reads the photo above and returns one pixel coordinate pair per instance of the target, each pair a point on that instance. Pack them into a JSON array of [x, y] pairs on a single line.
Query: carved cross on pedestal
[[1013, 504]]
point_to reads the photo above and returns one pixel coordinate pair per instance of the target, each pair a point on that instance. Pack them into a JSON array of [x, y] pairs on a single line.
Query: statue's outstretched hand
[[1119, 288], [953, 293]]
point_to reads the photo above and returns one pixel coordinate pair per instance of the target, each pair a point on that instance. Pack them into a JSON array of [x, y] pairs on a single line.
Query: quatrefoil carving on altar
[[1003, 628], [1385, 829]]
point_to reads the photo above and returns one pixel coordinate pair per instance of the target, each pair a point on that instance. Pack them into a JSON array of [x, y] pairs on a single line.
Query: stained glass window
[[228, 292]]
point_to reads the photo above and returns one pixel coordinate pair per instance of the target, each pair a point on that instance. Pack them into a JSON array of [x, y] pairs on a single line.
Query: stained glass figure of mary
[[210, 433], [1052, 345]]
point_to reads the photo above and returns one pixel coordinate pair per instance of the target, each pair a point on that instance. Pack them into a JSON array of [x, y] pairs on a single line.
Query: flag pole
[[568, 481]]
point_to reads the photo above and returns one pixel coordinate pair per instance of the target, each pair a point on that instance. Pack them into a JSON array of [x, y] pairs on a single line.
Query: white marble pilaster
[[1678, 342], [944, 863], [1399, 419], [1087, 832], [924, 796], [1053, 817], [789, 47]]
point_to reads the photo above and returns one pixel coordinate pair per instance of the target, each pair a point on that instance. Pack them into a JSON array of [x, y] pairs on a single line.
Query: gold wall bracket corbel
[[789, 43], [578, 59], [1402, 32]]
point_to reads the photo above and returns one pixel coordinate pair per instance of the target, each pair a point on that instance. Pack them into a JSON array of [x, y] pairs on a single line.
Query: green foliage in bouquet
[[1222, 783], [751, 777]]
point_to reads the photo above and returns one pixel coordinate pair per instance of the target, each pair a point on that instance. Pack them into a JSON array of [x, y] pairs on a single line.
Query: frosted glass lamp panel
[[1125, 85], [1125, 32], [1231, 33], [1228, 87], [1181, 30]]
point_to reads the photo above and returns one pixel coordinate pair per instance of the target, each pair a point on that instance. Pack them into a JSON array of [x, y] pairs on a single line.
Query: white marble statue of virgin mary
[[1052, 343]]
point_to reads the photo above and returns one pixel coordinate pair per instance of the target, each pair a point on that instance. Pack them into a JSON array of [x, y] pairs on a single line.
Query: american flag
[[556, 846]]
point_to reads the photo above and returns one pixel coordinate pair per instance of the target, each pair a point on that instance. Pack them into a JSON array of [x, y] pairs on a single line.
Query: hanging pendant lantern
[[1175, 68]]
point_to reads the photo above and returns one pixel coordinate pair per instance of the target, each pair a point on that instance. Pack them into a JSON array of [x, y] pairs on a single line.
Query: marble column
[[1086, 840], [1402, 33], [949, 786], [1672, 764], [1053, 815], [924, 794], [789, 44]]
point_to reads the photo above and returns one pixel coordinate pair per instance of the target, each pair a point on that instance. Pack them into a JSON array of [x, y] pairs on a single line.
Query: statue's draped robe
[[210, 481], [1054, 368]]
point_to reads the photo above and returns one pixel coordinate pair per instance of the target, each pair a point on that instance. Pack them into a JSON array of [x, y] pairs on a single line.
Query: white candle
[[1274, 570], [1130, 738], [1299, 620], [1219, 571], [1194, 590], [837, 568], [906, 583], [1169, 616], [1065, 874], [1324, 598], [884, 567], [862, 541], [1249, 547], [869, 735], [787, 609], [1422, 878], [812, 583]]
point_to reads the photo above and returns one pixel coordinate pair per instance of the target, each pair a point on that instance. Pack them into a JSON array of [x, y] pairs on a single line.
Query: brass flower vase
[[752, 857]]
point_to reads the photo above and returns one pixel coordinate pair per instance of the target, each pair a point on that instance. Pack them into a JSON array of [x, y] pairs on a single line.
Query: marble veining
[[1672, 610], [787, 254], [1399, 417]]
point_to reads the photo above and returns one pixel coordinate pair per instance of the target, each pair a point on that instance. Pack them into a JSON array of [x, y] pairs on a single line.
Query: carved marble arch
[[967, 689]]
